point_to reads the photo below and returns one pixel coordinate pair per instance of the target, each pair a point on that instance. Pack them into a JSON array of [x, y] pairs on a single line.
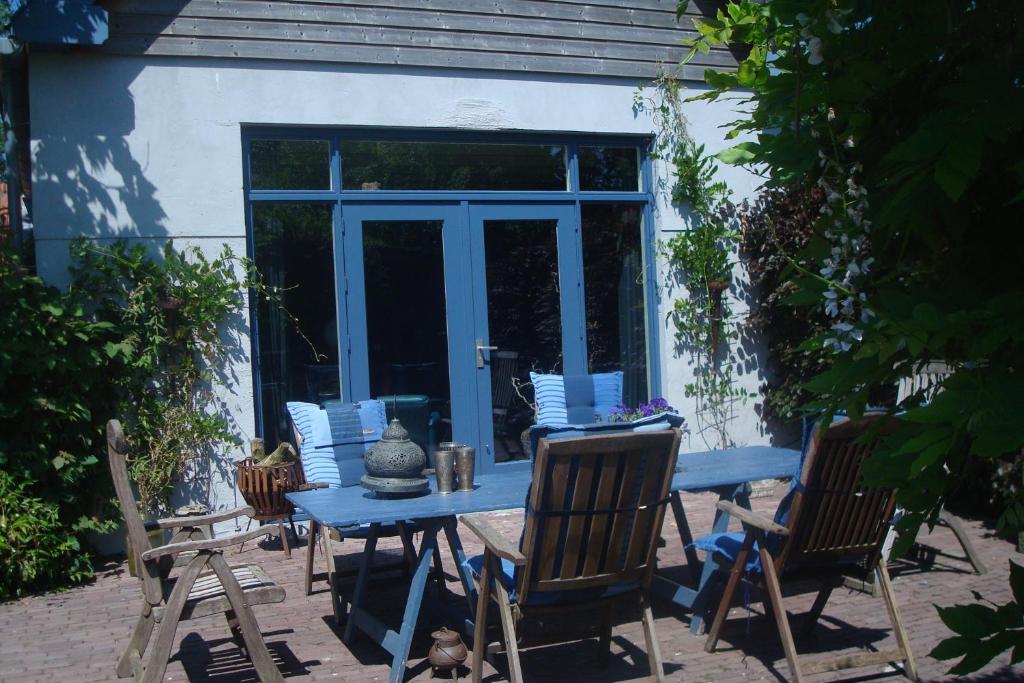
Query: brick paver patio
[[78, 635]]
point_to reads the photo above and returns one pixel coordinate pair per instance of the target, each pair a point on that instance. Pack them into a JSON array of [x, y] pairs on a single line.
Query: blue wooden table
[[728, 473], [433, 512]]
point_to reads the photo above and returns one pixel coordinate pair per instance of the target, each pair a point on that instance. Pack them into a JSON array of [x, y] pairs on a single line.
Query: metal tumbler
[[465, 463], [444, 469], [444, 465]]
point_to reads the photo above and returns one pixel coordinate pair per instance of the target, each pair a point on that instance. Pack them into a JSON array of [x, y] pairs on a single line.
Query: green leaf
[[738, 154], [59, 462]]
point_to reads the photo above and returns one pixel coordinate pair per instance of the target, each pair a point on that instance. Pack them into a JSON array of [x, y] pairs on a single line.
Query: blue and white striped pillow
[[589, 397]]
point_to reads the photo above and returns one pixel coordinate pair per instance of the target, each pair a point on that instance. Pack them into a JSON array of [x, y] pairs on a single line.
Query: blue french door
[[527, 315], [443, 304]]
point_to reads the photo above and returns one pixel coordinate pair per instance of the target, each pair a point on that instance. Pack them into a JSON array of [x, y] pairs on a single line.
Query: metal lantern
[[395, 463]]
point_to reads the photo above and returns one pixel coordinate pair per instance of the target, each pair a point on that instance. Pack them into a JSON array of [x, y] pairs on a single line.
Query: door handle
[[480, 348]]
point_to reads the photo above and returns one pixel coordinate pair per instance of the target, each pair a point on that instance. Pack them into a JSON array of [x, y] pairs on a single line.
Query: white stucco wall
[[151, 149]]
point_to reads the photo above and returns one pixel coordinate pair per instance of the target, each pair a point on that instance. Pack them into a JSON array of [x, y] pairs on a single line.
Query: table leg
[[362, 579], [451, 532], [412, 603], [685, 536]]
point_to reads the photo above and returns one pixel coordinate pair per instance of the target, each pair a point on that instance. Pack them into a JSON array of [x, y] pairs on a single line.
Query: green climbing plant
[[700, 259]]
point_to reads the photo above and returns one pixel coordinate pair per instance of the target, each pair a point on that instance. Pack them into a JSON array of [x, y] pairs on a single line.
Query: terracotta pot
[[448, 650]]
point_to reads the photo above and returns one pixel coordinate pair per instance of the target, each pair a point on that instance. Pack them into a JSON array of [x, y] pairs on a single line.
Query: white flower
[[814, 55], [848, 142]]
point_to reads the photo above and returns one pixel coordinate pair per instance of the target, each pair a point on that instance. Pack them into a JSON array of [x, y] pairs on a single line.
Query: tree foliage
[[910, 117], [776, 228]]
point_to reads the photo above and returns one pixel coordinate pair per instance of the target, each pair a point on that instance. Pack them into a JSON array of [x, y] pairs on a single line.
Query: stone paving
[[78, 635]]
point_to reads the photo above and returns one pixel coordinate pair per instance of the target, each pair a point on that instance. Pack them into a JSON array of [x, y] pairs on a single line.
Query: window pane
[[406, 325], [290, 164], [610, 169], [451, 166], [524, 318], [293, 249], [614, 294]]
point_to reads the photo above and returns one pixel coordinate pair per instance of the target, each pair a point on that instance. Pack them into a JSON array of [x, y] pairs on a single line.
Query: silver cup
[[465, 464]]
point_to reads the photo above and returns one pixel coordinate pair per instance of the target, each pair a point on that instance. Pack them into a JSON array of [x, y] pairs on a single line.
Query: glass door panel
[[527, 312], [401, 273], [613, 280], [406, 330], [298, 357]]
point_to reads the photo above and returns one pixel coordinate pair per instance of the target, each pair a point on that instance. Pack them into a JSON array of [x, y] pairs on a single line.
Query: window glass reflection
[[380, 165], [290, 164], [614, 295], [298, 358], [609, 169]]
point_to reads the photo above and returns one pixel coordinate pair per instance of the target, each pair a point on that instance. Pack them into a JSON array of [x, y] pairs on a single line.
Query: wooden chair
[[205, 586], [593, 520], [827, 528], [504, 365]]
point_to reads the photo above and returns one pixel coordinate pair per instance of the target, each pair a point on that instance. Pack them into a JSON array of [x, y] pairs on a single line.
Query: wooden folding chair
[[593, 521], [205, 586], [827, 528]]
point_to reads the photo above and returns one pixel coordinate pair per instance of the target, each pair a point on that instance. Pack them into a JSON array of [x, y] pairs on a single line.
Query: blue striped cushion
[[576, 399], [334, 438]]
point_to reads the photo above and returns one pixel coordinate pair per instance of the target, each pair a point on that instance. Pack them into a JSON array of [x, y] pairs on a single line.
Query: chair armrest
[[751, 518], [208, 543], [495, 541], [199, 520], [313, 485]]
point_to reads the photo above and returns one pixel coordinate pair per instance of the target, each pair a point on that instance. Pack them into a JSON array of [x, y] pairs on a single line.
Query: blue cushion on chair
[[728, 545], [334, 438], [546, 598], [576, 399]]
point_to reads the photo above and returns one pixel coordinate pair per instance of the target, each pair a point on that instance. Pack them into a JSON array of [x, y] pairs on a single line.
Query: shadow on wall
[[747, 355], [90, 180]]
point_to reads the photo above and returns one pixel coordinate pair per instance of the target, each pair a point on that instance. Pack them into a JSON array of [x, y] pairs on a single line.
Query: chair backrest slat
[[117, 449], [504, 365], [595, 508], [833, 516]]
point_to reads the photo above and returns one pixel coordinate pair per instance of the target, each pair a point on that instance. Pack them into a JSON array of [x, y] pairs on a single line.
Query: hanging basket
[[263, 487]]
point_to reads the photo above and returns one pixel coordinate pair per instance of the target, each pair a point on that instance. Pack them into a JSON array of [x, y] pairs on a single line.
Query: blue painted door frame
[[352, 340], [463, 225], [570, 282]]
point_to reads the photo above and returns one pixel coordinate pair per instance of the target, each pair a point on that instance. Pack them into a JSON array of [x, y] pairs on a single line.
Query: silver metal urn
[[395, 463]]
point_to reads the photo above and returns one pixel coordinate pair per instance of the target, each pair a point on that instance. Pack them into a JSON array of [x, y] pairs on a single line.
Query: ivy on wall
[[701, 260], [143, 337]]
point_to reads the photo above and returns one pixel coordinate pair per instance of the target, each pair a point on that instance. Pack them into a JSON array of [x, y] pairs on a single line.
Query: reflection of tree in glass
[[403, 265], [609, 169], [293, 251], [523, 295], [451, 166], [614, 295], [290, 164]]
